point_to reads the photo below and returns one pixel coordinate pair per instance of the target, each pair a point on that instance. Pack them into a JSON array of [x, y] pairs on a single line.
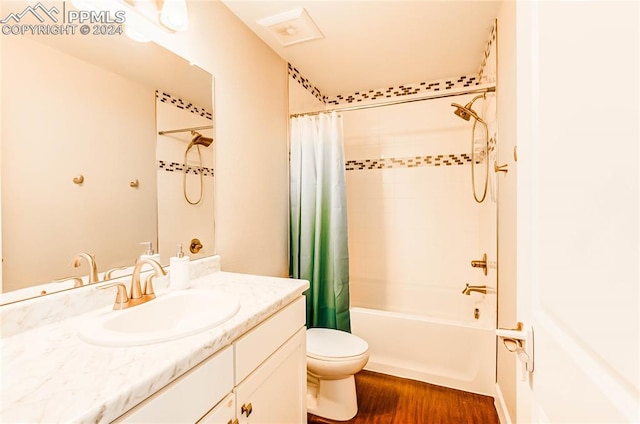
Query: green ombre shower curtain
[[318, 218]]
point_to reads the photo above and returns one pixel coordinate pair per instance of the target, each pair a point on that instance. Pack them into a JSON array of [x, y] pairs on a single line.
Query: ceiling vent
[[292, 27]]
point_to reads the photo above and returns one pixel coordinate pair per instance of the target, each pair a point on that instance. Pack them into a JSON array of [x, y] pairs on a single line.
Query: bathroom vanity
[[250, 368]]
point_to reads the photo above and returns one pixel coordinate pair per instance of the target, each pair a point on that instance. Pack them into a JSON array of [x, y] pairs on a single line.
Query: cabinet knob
[[246, 409]]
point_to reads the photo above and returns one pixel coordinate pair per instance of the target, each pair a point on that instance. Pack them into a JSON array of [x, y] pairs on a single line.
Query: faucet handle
[[108, 274], [481, 264], [122, 300], [77, 281], [148, 287]]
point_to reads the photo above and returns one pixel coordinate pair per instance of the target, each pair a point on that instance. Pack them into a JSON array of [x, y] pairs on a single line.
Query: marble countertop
[[50, 375]]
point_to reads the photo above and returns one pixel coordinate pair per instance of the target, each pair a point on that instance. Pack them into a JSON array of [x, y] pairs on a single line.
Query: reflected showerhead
[[199, 139], [466, 112]]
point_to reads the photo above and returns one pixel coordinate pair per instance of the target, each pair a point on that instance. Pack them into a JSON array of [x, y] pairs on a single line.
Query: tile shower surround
[[184, 105]]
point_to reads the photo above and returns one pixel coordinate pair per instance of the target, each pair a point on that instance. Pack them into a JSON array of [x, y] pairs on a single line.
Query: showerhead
[[199, 139], [466, 112]]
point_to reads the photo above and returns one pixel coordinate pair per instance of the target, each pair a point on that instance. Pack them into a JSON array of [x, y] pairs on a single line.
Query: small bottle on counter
[[149, 254], [179, 271]]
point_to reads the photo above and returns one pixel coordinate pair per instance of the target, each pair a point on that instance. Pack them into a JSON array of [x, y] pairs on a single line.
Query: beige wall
[[301, 100], [47, 141], [251, 119]]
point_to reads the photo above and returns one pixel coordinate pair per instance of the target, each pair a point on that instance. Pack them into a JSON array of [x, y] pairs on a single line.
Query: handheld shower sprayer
[[197, 141], [466, 112]]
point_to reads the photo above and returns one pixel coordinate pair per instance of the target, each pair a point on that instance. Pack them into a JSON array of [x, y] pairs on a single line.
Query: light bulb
[[174, 15], [136, 35]]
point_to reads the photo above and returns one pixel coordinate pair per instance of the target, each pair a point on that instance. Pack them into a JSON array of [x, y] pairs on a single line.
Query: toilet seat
[[334, 345]]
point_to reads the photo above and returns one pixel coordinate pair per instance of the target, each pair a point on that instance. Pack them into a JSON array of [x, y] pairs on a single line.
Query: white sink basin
[[169, 316]]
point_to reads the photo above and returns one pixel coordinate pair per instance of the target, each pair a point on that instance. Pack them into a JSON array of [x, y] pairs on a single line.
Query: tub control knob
[[481, 264]]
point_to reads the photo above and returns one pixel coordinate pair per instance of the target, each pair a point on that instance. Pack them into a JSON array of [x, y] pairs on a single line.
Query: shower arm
[[206, 127]]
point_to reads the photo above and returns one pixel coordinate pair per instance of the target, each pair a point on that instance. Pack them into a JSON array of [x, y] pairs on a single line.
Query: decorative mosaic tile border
[[179, 103], [487, 50], [409, 162], [417, 161], [297, 76], [405, 90], [389, 92], [179, 167]]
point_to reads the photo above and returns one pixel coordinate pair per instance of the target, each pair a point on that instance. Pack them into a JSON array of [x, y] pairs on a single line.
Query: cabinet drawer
[[223, 413], [189, 397], [254, 348]]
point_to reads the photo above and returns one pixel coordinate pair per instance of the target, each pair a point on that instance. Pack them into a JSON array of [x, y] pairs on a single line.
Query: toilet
[[333, 357]]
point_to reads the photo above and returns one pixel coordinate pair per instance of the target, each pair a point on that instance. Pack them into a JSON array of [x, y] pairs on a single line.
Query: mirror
[[83, 166]]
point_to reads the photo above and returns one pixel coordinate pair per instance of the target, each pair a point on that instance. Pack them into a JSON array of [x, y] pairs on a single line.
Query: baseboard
[[501, 407]]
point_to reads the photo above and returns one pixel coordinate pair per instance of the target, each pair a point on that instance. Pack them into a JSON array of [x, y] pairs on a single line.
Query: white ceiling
[[373, 44]]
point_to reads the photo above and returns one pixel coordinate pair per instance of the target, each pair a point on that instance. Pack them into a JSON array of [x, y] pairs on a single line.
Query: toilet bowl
[[333, 357]]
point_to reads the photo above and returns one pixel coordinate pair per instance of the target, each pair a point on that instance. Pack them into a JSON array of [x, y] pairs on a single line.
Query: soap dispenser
[[179, 271], [149, 254]]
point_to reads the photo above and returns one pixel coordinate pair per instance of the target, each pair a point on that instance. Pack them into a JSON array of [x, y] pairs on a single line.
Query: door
[[577, 209]]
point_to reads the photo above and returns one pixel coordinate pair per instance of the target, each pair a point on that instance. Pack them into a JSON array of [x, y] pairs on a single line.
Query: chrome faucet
[[91, 261], [137, 295], [479, 289]]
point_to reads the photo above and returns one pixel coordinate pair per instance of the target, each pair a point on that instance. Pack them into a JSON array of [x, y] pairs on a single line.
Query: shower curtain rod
[[398, 102], [206, 127]]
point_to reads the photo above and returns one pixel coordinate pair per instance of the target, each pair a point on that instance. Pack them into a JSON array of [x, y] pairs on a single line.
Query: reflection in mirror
[[83, 166]]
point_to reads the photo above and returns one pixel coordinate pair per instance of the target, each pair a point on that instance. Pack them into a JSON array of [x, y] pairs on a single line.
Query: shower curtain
[[318, 218]]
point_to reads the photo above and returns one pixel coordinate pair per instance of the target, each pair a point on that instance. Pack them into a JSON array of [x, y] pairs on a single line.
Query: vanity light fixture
[[292, 27], [174, 15], [138, 28], [143, 18]]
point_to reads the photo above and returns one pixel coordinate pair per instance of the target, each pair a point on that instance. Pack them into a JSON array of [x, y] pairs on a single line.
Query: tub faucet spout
[[479, 289]]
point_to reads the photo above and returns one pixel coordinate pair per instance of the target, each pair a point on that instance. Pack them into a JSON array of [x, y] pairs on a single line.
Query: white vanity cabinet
[[259, 378]]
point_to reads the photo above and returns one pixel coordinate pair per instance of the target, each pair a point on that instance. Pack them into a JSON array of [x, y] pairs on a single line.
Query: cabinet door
[[276, 391], [223, 413]]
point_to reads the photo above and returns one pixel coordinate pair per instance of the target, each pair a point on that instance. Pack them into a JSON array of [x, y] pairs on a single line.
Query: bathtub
[[459, 355]]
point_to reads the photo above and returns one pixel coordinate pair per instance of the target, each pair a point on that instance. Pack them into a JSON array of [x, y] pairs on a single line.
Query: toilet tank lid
[[330, 343]]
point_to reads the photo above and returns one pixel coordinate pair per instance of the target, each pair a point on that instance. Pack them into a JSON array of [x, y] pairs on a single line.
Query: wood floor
[[384, 399]]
